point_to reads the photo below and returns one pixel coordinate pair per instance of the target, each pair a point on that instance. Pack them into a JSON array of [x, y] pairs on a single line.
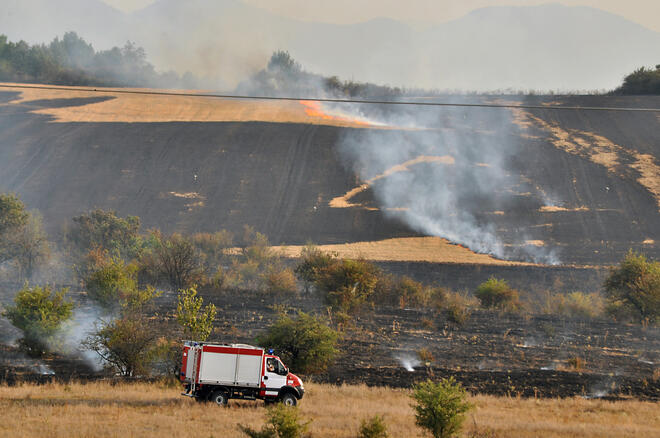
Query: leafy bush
[[281, 422], [105, 230], [39, 312], [111, 282], [197, 324], [128, 344], [440, 407], [313, 261], [212, 248], [497, 294], [306, 343], [373, 427], [633, 289], [347, 285]]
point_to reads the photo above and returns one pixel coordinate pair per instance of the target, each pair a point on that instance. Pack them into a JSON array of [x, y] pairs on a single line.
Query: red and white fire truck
[[219, 372]]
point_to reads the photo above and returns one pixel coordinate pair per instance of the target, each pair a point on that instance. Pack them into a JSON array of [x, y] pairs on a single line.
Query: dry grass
[[428, 249], [136, 410], [133, 108]]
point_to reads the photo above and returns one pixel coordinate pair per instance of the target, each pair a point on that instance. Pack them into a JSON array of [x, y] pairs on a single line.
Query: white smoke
[[408, 362], [445, 198]]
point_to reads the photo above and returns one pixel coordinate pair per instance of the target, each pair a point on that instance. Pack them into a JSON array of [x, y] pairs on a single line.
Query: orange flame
[[314, 109]]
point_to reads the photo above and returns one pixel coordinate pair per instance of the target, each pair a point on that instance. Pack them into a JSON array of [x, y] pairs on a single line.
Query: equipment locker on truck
[[219, 372]]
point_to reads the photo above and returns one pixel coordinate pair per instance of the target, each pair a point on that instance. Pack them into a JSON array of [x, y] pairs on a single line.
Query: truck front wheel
[[288, 399], [220, 398]]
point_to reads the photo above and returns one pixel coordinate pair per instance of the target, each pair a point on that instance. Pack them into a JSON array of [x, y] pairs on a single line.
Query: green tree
[[440, 407], [197, 323], [313, 261], [373, 427], [633, 288], [306, 343], [13, 219], [104, 229], [112, 282], [39, 312], [128, 344], [281, 422], [641, 81]]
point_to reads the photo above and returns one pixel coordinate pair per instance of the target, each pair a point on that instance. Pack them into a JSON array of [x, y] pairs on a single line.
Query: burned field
[[572, 190], [490, 353]]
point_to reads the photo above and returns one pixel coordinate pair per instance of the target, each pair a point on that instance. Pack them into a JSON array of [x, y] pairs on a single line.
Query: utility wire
[[327, 100]]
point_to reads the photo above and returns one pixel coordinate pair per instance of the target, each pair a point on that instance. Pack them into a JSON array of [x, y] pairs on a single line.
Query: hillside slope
[[581, 184]]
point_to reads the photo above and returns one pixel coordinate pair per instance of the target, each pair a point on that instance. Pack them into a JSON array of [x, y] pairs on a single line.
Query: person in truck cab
[[270, 365]]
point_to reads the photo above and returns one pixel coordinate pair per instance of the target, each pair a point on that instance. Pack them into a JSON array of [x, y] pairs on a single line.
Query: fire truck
[[220, 372]]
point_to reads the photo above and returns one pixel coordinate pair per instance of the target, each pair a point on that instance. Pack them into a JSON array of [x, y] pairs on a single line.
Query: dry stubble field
[[135, 410]]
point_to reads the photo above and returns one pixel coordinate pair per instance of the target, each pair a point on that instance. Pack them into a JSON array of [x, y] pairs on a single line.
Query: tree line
[[71, 60]]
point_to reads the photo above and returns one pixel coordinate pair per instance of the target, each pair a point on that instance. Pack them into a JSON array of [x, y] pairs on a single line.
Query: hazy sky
[[644, 12]]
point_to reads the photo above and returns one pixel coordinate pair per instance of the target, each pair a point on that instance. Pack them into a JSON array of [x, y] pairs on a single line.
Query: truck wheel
[[220, 398], [289, 399]]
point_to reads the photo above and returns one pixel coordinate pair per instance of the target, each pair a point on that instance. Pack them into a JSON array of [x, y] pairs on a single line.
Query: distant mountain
[[536, 47]]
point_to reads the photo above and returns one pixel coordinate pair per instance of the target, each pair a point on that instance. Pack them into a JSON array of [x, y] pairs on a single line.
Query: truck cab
[[220, 372]]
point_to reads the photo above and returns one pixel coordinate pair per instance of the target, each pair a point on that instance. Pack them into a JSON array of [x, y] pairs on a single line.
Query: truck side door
[[274, 376]]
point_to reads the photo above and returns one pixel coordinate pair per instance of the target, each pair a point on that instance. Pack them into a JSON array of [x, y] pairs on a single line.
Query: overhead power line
[[329, 100]]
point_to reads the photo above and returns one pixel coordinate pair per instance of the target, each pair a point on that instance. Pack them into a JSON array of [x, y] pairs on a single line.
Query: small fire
[[314, 109]]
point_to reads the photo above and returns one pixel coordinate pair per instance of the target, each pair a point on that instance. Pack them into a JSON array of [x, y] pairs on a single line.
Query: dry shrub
[[425, 355], [575, 305], [457, 307], [281, 282], [576, 363]]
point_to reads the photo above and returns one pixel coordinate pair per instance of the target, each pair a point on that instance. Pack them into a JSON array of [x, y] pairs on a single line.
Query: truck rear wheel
[[288, 399], [220, 398]]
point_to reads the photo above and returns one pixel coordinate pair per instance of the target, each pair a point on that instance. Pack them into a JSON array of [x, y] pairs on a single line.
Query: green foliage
[[641, 81], [440, 407], [305, 343], [348, 284], [281, 422], [13, 218], [633, 289], [72, 61], [197, 323], [104, 230], [312, 263], [373, 427], [39, 312], [128, 344], [111, 282], [497, 294]]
